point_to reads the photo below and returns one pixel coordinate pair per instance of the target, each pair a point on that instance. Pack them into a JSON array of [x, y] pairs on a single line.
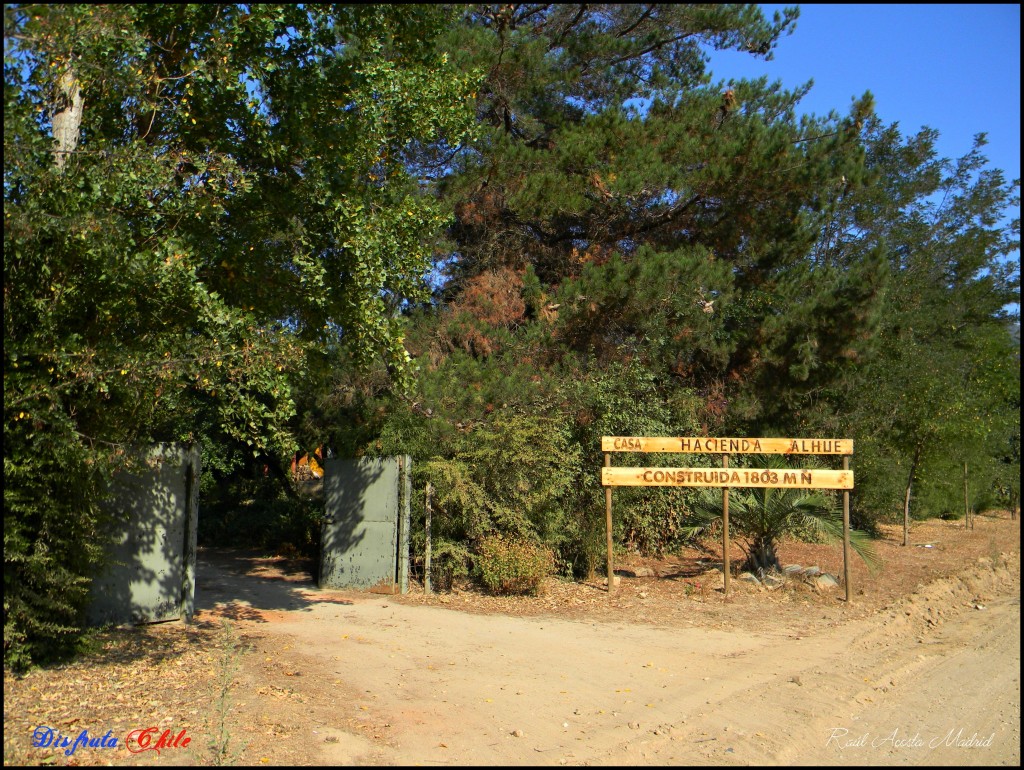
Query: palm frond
[[864, 547], [773, 512]]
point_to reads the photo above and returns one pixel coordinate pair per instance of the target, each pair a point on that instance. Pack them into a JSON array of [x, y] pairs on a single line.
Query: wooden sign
[[785, 446], [786, 478], [726, 477]]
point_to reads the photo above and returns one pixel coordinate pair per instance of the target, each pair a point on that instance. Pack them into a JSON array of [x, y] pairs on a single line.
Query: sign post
[[846, 535], [784, 478], [725, 529]]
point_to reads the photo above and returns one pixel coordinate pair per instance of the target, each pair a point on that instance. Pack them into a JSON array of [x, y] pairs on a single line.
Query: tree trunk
[[67, 116], [761, 557], [968, 519], [906, 499]]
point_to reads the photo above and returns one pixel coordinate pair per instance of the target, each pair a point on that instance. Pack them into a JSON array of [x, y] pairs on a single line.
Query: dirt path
[[358, 678], [922, 668]]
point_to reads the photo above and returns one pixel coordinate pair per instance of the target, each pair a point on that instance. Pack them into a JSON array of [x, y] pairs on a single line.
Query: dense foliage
[[196, 198], [638, 249], [943, 389], [484, 236]]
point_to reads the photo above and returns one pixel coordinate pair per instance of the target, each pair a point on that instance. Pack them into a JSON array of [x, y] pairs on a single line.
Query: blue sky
[[954, 68]]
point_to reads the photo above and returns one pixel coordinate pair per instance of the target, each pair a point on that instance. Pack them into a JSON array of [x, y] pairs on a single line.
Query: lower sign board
[[797, 478]]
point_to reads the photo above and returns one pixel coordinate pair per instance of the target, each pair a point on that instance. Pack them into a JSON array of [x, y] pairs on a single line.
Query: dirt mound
[[945, 599]]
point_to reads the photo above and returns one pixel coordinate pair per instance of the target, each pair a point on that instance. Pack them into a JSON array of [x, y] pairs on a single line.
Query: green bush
[[55, 533], [449, 562], [510, 566], [510, 474]]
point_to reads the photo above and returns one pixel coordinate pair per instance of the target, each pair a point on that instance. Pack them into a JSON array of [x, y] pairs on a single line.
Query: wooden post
[[846, 536], [608, 526], [426, 556], [968, 520], [725, 529], [405, 521]]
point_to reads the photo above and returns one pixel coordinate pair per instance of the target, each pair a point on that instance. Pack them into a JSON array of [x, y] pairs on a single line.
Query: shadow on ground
[[240, 584]]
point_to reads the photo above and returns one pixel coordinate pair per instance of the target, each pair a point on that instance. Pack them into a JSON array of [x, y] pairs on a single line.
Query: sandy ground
[[922, 668], [933, 679]]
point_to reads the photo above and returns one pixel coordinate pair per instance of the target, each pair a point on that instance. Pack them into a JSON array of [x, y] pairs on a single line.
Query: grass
[[219, 747]]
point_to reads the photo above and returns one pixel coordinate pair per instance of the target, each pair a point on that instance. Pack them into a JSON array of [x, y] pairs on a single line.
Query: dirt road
[[371, 679]]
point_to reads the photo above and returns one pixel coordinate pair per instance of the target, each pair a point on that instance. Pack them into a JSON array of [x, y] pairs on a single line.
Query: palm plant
[[762, 517]]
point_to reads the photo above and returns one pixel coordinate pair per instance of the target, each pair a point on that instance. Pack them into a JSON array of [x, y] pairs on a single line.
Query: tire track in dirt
[[452, 687], [912, 691]]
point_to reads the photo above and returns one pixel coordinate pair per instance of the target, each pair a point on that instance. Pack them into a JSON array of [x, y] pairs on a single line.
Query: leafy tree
[[938, 390], [197, 198]]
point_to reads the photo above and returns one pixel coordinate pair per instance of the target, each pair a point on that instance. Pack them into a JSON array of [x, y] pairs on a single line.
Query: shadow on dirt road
[[244, 585]]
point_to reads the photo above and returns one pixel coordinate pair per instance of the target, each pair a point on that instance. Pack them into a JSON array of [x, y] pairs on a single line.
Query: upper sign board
[[785, 446]]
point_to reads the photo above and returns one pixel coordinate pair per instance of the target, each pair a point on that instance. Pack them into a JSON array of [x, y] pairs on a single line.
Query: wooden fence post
[[846, 536], [968, 518], [426, 555]]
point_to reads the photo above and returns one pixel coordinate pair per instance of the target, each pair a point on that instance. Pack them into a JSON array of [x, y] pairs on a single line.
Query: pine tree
[[664, 215]]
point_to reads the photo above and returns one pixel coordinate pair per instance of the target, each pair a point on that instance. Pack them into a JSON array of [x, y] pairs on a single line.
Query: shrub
[[55, 533], [509, 566], [449, 563]]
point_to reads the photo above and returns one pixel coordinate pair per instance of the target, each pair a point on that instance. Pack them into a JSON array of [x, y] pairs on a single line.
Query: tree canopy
[[643, 250], [196, 198]]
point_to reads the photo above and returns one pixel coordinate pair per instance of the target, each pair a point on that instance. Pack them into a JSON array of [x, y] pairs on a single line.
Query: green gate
[[365, 541], [151, 570]]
